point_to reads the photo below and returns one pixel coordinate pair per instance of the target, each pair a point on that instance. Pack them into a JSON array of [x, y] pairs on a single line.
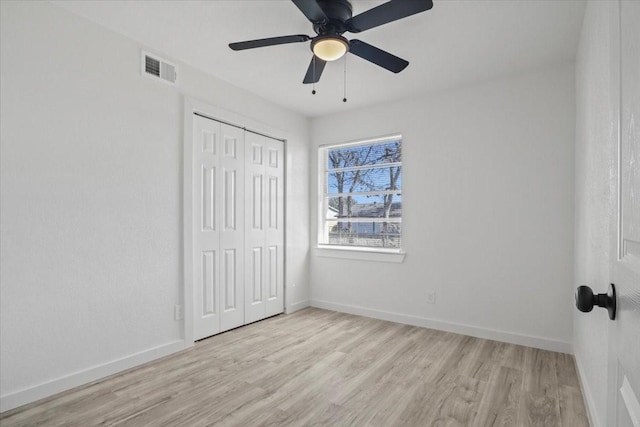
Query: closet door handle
[[585, 300]]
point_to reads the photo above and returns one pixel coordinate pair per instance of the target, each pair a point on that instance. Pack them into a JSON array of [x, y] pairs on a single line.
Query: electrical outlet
[[177, 312], [431, 297]]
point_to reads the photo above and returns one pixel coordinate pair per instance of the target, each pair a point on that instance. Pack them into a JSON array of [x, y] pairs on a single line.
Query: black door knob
[[585, 300]]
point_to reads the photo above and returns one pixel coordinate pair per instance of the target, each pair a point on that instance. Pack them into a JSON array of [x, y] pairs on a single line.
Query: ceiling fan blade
[[311, 10], [271, 41], [387, 12], [313, 76], [377, 56]]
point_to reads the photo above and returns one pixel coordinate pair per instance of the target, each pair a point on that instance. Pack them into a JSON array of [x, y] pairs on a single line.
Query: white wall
[[91, 200], [487, 211], [595, 200]]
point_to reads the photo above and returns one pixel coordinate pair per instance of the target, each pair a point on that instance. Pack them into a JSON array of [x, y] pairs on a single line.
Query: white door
[[624, 332], [206, 223], [218, 181], [255, 228], [231, 227], [264, 236], [274, 236]]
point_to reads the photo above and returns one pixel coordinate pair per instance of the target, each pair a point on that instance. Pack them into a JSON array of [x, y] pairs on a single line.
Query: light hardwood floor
[[318, 367]]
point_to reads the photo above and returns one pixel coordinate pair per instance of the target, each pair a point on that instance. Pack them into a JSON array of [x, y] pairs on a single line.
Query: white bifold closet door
[[264, 236], [238, 248]]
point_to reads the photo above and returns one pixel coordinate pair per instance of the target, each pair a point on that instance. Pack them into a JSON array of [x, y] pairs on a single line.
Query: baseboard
[[587, 397], [293, 307], [49, 388], [474, 331]]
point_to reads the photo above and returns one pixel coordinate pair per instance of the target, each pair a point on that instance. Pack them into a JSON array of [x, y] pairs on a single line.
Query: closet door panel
[[274, 227], [255, 308], [206, 186], [231, 242]]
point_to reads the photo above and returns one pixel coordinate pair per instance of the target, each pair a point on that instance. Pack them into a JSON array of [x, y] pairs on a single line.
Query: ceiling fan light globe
[[330, 48]]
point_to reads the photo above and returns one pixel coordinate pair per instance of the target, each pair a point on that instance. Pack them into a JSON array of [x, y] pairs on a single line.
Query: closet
[[238, 226]]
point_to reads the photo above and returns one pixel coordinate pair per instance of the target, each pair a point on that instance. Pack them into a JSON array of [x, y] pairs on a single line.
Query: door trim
[[194, 106]]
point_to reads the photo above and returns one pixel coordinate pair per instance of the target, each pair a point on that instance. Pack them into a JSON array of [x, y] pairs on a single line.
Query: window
[[361, 194]]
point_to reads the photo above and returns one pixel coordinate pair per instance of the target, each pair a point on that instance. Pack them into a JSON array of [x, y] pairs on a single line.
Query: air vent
[[157, 68]]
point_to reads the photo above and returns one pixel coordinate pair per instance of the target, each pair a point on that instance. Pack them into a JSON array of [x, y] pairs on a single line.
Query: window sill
[[361, 254]]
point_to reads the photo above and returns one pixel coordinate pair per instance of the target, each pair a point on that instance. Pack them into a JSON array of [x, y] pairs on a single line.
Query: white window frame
[[364, 253]]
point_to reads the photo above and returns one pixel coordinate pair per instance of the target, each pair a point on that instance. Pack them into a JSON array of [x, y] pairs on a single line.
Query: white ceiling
[[454, 44]]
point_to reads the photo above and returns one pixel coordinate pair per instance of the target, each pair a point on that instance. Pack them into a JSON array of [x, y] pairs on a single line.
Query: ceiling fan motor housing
[[338, 12]]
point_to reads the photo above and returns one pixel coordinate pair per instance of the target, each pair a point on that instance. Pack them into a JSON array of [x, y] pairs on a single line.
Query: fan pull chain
[[345, 79], [313, 92]]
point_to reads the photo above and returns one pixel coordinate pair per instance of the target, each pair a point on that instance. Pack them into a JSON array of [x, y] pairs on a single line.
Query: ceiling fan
[[332, 18]]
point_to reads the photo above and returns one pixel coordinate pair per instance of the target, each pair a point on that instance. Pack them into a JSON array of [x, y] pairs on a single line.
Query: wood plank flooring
[[318, 367]]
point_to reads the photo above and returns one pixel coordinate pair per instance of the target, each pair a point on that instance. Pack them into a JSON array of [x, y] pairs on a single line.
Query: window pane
[[378, 206], [371, 234], [368, 212], [374, 179], [345, 157]]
